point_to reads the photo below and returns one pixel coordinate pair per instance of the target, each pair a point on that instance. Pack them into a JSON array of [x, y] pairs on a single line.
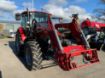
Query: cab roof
[[24, 12]]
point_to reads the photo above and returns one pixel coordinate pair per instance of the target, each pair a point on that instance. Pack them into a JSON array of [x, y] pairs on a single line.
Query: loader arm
[[75, 31], [80, 49]]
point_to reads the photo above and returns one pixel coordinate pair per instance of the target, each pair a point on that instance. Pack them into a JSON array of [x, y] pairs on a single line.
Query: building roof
[[13, 22]]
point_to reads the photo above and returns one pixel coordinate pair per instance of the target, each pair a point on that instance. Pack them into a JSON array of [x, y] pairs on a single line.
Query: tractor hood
[[92, 24]]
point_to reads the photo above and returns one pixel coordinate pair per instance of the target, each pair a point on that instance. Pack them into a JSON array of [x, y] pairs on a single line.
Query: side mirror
[[17, 16]]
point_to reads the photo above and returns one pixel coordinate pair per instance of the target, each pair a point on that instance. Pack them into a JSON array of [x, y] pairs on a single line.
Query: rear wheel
[[33, 55]]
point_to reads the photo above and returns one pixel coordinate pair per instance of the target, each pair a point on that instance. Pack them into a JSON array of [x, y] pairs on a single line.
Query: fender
[[22, 34]]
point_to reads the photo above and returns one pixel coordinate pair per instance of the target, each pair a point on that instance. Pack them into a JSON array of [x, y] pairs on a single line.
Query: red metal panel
[[92, 24], [71, 49], [22, 34], [65, 62]]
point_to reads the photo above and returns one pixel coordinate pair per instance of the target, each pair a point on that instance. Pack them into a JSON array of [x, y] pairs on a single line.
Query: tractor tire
[[33, 55], [18, 45]]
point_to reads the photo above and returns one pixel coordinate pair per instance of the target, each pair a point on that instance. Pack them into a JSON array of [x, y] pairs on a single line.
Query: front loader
[[39, 40]]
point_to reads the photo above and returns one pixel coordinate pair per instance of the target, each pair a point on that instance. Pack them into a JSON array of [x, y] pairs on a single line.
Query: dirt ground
[[12, 67]]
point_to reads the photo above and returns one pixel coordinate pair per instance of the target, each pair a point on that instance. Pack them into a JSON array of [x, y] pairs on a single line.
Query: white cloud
[[78, 1], [75, 9], [55, 10], [1, 13], [102, 17], [57, 2], [27, 5], [7, 5], [7, 8], [67, 12]]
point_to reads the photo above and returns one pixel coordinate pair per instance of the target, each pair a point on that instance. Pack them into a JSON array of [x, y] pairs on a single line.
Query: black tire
[[18, 45], [33, 55]]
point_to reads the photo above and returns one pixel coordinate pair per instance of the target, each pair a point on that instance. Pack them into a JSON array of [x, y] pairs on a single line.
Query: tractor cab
[[33, 22], [34, 17]]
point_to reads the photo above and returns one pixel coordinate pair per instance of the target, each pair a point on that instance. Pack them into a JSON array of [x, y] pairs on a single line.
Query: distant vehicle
[[95, 33], [11, 33]]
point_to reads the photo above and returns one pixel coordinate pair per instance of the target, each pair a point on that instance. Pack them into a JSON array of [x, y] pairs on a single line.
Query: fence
[[9, 25]]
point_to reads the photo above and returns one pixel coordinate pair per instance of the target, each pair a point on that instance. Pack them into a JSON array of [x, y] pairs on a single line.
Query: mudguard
[[22, 34]]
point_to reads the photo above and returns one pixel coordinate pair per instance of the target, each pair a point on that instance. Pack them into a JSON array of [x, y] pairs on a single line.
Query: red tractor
[[95, 33], [39, 40]]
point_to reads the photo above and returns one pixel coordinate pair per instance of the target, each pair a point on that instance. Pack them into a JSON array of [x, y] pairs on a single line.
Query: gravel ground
[[12, 67]]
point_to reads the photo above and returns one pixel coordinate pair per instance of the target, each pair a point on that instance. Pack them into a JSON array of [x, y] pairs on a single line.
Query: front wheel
[[33, 55], [18, 45]]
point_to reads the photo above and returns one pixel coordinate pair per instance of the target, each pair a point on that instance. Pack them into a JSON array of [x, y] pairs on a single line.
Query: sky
[[62, 8]]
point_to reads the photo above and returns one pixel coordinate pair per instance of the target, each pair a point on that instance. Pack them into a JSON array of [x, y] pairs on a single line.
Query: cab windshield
[[41, 18]]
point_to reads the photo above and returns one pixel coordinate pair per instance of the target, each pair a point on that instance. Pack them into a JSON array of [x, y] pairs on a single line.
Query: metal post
[[32, 4], [0, 74]]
